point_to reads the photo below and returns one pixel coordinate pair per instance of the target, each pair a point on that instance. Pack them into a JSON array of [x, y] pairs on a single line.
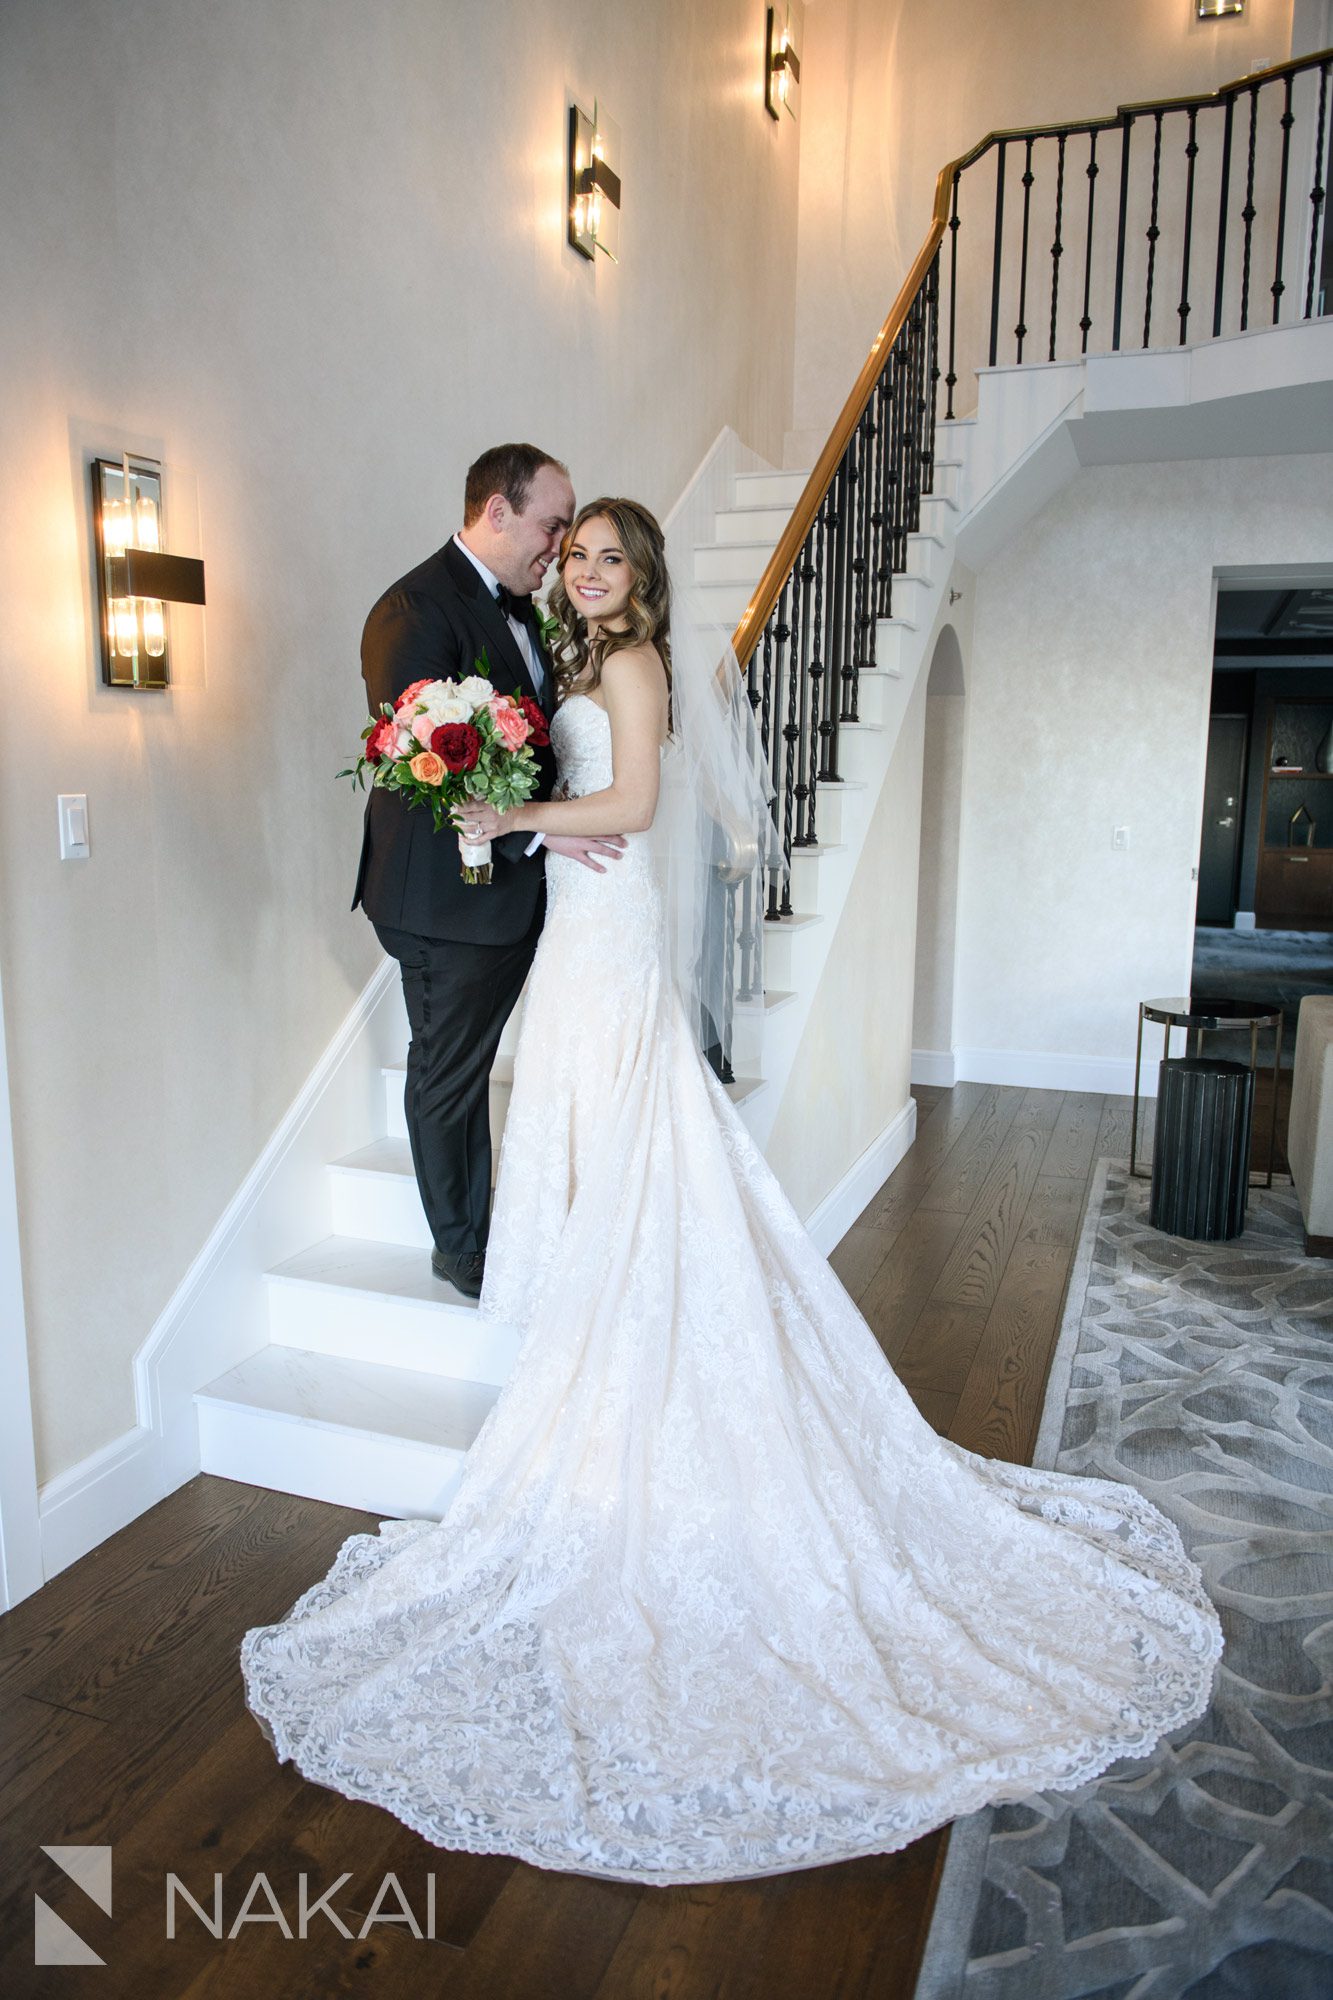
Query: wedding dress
[[712, 1600]]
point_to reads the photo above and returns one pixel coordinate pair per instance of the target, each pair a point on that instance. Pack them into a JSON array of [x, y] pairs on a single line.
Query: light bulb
[[154, 628], [116, 526], [127, 627], [145, 522]]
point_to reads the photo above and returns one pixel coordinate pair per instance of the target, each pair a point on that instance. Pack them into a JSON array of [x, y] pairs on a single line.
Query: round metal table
[[1207, 1017]]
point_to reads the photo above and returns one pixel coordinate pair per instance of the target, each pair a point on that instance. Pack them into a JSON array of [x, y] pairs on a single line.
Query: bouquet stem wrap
[[476, 856]]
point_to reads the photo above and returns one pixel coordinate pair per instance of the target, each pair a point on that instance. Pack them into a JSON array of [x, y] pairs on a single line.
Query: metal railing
[[1221, 190]]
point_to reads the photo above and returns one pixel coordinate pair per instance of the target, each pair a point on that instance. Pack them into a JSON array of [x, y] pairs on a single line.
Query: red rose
[[378, 741], [539, 732], [459, 745], [409, 694]]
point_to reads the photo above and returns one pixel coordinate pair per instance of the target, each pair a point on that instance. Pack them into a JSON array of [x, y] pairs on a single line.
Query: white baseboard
[[861, 1183], [1036, 1069], [218, 1313], [1243, 921], [935, 1066], [100, 1495]]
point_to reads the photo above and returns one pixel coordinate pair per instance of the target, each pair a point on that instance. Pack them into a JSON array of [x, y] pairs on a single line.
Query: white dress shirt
[[523, 639]]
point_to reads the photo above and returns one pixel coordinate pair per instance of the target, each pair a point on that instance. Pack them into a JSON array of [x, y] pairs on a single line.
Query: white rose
[[475, 691]]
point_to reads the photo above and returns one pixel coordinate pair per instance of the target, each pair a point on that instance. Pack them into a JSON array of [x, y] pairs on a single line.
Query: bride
[[711, 1600]]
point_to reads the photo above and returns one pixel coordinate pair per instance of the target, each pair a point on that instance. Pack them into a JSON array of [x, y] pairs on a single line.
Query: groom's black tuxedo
[[434, 624], [464, 952]]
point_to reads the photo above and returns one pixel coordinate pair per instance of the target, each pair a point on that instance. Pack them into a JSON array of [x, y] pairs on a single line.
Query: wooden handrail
[[760, 608]]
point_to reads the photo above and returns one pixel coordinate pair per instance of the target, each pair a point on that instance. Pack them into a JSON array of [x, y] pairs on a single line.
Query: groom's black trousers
[[459, 997]]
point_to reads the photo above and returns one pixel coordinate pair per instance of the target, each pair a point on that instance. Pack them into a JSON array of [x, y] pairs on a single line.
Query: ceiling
[[1286, 622]]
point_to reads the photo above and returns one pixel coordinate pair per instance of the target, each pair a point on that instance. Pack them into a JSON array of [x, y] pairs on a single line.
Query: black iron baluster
[[912, 495], [1248, 212], [874, 471], [933, 307], [1020, 331], [884, 567], [1223, 197], [804, 786], [865, 651], [1317, 191], [1126, 128], [1086, 322], [1286, 121], [857, 609], [898, 479], [1153, 232], [1057, 247], [951, 377], [1191, 155], [784, 775], [746, 989], [774, 633], [999, 244], [819, 697]]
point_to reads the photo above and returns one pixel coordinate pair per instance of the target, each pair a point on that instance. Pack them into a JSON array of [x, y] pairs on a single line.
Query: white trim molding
[[841, 1206], [935, 1066], [1038, 1069], [20, 1533]]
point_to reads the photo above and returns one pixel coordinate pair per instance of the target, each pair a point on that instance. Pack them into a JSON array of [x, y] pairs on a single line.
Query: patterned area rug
[[1203, 1374]]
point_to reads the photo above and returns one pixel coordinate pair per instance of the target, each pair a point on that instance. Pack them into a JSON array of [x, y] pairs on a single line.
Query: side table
[[1206, 1017]]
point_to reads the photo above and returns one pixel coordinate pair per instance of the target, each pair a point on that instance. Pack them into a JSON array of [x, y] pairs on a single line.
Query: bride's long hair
[[647, 615]]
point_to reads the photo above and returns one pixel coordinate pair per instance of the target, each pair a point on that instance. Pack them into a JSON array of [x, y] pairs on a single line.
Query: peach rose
[[427, 769], [511, 725]]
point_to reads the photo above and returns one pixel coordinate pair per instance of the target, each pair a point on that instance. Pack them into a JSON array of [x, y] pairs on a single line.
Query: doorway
[[1264, 913]]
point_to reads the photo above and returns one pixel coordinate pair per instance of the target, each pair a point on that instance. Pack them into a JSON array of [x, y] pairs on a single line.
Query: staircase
[[373, 1377]]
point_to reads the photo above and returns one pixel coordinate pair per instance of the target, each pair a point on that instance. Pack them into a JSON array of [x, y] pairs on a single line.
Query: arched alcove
[[937, 888]]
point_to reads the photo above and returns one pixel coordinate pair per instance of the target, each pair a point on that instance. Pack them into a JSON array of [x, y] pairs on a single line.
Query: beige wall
[[893, 89], [313, 256], [1088, 696], [852, 1070]]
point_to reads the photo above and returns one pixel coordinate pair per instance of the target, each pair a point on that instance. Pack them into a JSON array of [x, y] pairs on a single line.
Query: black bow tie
[[511, 604]]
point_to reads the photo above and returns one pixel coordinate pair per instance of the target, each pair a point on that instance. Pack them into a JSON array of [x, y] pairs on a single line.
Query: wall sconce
[[594, 183], [782, 60], [134, 576], [1213, 10]]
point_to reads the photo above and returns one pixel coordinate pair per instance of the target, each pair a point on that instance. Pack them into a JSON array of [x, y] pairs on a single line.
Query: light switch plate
[[72, 808]]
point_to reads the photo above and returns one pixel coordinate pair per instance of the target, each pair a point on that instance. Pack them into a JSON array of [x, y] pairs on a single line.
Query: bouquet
[[445, 742]]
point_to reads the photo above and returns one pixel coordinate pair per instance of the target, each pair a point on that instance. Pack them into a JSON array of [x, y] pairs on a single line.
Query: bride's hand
[[478, 822]]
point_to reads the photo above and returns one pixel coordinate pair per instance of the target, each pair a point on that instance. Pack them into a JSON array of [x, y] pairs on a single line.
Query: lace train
[[712, 1600]]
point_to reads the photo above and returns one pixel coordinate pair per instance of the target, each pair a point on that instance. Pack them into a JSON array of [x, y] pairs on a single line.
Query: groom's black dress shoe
[[463, 1272]]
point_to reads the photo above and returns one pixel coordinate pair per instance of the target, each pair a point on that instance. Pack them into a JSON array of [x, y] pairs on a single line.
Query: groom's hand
[[585, 847]]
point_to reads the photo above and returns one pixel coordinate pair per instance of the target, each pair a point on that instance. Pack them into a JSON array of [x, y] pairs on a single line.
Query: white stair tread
[[364, 1397], [382, 1156], [744, 1088], [798, 921], [376, 1270]]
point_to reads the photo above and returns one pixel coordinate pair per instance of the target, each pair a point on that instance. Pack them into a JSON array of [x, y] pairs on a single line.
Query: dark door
[[1219, 845]]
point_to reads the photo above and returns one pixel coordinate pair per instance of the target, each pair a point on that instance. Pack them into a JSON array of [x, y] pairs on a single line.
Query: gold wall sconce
[[136, 579], [594, 183], [1213, 10], [782, 58]]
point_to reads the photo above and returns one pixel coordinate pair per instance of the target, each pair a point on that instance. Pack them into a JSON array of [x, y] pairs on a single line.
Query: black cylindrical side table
[[1201, 1152]]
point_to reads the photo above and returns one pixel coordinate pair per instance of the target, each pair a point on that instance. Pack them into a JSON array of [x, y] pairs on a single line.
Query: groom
[[465, 951]]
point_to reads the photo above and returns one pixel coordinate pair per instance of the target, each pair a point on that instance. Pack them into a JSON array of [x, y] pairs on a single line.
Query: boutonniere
[[550, 628]]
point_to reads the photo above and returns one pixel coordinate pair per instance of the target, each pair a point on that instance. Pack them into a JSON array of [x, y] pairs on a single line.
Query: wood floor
[[122, 1719]]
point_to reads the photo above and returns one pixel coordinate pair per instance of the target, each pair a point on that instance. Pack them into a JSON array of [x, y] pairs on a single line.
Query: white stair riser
[[727, 602], [382, 1475], [401, 1333], [383, 1208], [395, 1112], [733, 562], [788, 955], [753, 524], [769, 489]]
